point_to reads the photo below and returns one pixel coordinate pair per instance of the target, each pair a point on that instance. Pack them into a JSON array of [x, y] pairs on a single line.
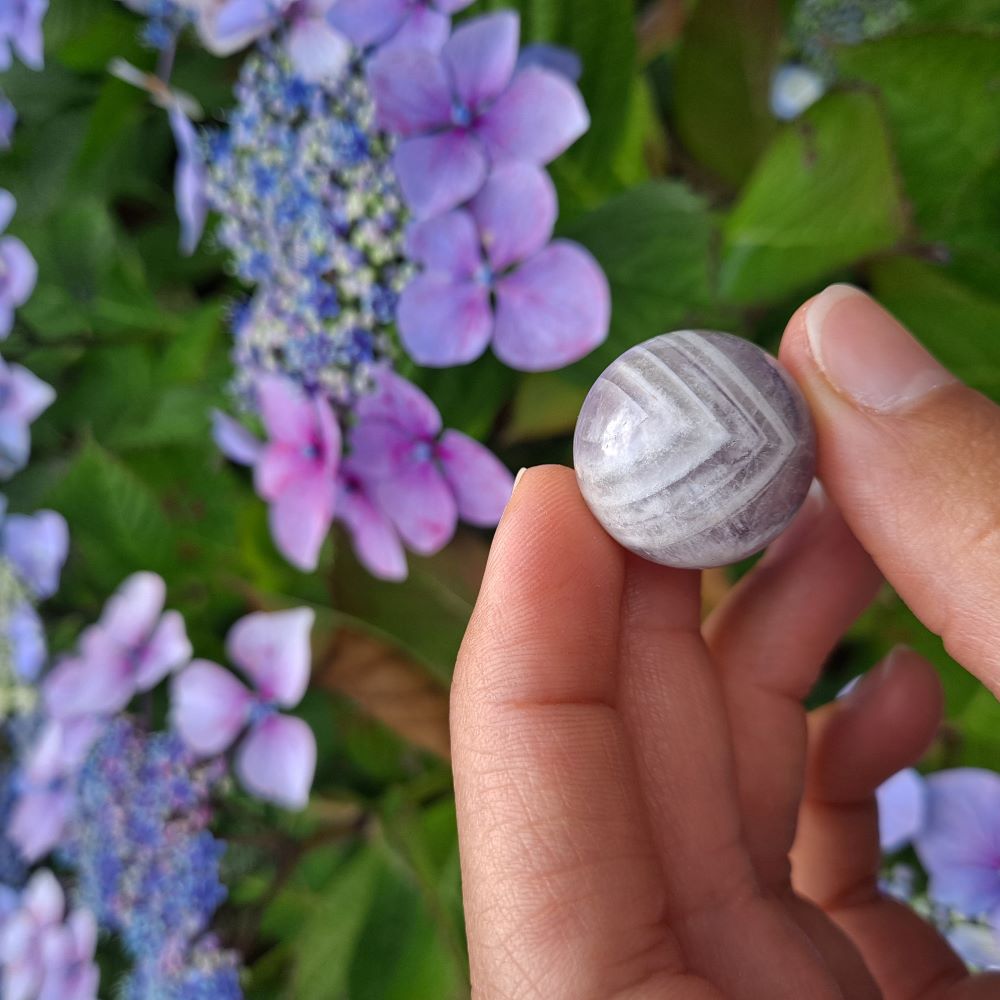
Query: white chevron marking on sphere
[[694, 449]]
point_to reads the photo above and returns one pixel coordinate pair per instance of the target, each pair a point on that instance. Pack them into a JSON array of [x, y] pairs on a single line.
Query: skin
[[646, 811]]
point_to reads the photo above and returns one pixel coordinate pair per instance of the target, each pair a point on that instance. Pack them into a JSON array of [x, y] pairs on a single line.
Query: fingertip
[[884, 724], [546, 618]]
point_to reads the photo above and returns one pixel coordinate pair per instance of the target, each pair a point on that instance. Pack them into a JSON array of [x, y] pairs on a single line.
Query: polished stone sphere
[[694, 449]]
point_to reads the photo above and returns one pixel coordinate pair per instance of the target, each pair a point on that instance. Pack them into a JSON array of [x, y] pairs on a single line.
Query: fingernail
[[866, 354], [517, 479], [868, 684]]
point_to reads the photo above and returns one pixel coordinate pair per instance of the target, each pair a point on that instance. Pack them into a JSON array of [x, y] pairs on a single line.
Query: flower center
[[461, 116], [421, 451]]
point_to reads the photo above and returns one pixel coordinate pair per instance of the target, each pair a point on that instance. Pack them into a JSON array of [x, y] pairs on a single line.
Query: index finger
[[912, 459], [562, 885]]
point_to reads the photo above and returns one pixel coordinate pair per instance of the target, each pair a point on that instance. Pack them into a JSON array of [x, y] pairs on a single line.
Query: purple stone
[[694, 449]]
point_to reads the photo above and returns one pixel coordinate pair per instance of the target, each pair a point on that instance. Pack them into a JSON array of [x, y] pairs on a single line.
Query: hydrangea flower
[[36, 546], [490, 274], [41, 956], [296, 469], [21, 32], [23, 397], [374, 537], [189, 181], [795, 89], [902, 809], [421, 23], [311, 214], [133, 647], [464, 108], [25, 637], [978, 945], [960, 843], [8, 119], [423, 480], [210, 708], [46, 782], [203, 972], [145, 864], [17, 267]]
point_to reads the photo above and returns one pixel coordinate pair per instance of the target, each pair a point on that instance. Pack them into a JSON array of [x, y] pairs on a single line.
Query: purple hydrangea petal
[[44, 899], [376, 542], [367, 22], [316, 50], [400, 402], [27, 396], [8, 206], [167, 650], [381, 444], [277, 761], [234, 440], [238, 22], [515, 213], [79, 687], [26, 638], [411, 90], [27, 37], [551, 57], [960, 843], [273, 650], [553, 310], [482, 484], [300, 520], [439, 172], [131, 613], [189, 181], [902, 809], [424, 28], [481, 56], [37, 822], [540, 116], [287, 412], [978, 945], [419, 503], [208, 707], [448, 243], [37, 545], [8, 121], [281, 465], [18, 271], [443, 322]]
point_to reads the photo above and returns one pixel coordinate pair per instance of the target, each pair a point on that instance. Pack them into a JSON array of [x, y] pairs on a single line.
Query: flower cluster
[[952, 820], [21, 32], [17, 266], [382, 175], [45, 953], [311, 216], [146, 865]]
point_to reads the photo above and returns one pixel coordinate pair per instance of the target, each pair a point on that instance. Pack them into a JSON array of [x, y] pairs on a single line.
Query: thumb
[[912, 458]]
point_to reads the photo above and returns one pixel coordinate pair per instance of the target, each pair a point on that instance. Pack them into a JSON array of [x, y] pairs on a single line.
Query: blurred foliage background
[[704, 210]]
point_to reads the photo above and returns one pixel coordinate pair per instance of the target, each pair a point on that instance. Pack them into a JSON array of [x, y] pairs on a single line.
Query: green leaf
[[957, 13], [428, 613], [326, 942], [546, 405], [722, 81], [655, 244], [823, 195], [958, 324], [117, 525], [941, 93], [979, 728]]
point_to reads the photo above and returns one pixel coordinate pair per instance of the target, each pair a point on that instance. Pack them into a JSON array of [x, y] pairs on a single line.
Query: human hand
[[631, 782]]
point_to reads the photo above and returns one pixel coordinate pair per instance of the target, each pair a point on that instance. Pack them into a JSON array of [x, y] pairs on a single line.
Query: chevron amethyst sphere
[[694, 449]]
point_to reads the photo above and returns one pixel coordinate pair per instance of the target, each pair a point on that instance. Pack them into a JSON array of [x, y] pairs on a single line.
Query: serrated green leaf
[[116, 523], [823, 196], [722, 80], [656, 245], [941, 93]]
